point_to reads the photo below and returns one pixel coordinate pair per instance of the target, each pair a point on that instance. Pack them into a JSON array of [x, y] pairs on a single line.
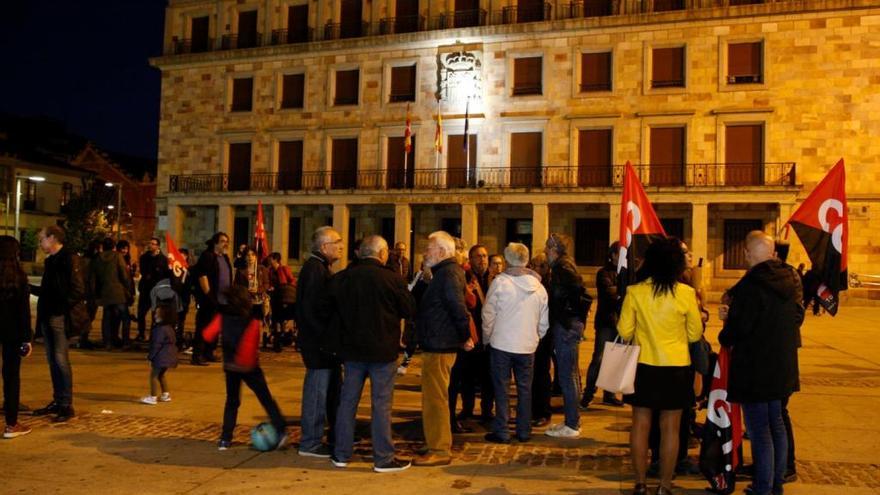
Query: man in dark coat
[[214, 275], [368, 300], [154, 267], [109, 283], [323, 377], [442, 326], [61, 287], [761, 326], [607, 312]]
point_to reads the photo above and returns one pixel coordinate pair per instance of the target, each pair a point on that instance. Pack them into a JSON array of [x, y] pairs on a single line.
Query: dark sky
[[84, 62]]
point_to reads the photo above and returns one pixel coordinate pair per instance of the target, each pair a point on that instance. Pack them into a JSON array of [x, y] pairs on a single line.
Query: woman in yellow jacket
[[660, 315]]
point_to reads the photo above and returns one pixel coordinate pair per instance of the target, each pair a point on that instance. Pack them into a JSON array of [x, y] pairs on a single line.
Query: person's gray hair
[[444, 241], [516, 254], [321, 235], [372, 246]]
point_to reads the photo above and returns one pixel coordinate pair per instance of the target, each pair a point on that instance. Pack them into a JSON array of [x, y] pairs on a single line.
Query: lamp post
[[18, 179], [118, 207]]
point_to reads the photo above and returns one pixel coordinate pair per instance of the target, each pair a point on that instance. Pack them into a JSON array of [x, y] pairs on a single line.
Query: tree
[[84, 217]]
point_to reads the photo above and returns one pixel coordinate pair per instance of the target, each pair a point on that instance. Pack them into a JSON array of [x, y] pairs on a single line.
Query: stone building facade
[[730, 110]]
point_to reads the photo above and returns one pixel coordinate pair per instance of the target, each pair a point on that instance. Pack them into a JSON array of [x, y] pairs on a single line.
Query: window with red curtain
[[744, 63], [527, 76]]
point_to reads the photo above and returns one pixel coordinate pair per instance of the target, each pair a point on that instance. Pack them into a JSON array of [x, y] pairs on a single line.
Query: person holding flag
[[261, 243], [639, 227]]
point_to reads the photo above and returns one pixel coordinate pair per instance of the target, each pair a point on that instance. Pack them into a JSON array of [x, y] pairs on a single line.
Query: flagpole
[[405, 159], [439, 143], [467, 146]]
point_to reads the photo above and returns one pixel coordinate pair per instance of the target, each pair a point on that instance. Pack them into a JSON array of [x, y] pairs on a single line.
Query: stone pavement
[[116, 445]]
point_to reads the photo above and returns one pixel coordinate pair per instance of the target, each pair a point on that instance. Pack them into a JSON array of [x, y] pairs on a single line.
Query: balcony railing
[[585, 8], [535, 177], [520, 14], [192, 45], [459, 19], [402, 24], [343, 30], [288, 36], [667, 5], [233, 41]]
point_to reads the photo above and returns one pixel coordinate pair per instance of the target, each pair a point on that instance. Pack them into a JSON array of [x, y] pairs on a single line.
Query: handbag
[[617, 374], [699, 352]]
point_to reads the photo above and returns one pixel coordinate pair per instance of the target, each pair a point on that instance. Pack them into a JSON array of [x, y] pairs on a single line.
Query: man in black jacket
[[368, 301], [214, 275], [761, 326], [442, 326], [567, 327], [154, 267], [61, 287], [607, 312], [322, 381]]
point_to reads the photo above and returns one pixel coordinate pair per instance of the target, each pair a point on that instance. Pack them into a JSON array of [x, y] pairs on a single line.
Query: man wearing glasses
[[154, 267]]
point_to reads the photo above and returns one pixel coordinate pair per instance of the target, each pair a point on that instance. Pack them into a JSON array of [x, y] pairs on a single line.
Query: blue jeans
[[319, 400], [769, 445], [381, 395], [603, 336], [59, 362], [566, 339], [501, 363], [114, 315]]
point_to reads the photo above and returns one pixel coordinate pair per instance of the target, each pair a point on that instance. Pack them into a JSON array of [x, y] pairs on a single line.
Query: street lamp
[[18, 179], [118, 207]]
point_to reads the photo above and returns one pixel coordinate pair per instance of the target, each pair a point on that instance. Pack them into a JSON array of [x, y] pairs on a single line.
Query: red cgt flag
[[261, 245], [639, 226], [176, 261], [822, 225]]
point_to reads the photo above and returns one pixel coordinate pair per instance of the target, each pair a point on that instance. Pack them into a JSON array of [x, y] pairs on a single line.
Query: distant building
[[732, 110]]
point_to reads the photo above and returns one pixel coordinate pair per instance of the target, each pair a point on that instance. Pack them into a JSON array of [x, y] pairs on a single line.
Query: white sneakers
[[562, 431], [152, 400]]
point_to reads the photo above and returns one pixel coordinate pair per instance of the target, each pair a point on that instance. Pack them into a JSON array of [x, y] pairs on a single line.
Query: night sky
[[84, 62]]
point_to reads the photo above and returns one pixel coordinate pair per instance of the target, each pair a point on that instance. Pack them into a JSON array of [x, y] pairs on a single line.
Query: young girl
[[241, 341], [163, 353]]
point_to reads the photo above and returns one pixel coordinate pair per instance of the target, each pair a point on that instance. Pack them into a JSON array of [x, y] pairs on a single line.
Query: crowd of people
[[478, 320]]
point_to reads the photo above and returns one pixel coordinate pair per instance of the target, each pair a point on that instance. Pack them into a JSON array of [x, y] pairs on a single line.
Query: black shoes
[[640, 489], [51, 408], [198, 362], [392, 466], [495, 438], [613, 401], [540, 422], [64, 414], [457, 427]]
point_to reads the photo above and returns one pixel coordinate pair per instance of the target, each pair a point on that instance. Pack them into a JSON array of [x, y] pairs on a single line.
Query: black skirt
[[662, 387]]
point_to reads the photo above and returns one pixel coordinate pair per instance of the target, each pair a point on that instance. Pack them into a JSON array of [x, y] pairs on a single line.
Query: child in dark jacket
[[163, 353], [241, 342]]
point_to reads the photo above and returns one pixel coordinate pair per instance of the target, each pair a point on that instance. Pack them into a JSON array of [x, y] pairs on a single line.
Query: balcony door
[[743, 154], [406, 18], [247, 29], [529, 10], [344, 164], [467, 13], [400, 173], [525, 159], [456, 160], [667, 156], [351, 19], [298, 23], [199, 36], [239, 178], [594, 157], [290, 165]]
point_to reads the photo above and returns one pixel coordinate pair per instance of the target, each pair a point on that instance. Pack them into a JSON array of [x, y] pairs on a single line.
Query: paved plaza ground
[[117, 445]]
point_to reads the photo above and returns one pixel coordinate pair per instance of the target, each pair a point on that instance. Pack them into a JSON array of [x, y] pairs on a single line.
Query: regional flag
[[466, 125], [438, 136], [261, 246], [176, 260], [822, 225], [407, 133], [639, 227]]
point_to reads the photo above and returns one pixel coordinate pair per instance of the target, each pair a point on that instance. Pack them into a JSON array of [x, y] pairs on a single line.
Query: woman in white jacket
[[515, 317]]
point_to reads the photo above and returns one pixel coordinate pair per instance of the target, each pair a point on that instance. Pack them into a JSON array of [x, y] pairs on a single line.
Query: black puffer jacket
[[442, 321], [762, 328], [566, 285], [312, 315]]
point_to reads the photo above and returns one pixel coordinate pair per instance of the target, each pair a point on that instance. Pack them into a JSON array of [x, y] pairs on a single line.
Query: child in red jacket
[[241, 341]]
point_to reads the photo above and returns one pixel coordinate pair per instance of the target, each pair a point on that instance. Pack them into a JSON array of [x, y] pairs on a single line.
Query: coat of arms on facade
[[459, 77]]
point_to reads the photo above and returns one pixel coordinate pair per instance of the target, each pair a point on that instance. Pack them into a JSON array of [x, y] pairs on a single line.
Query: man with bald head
[[761, 327], [367, 301]]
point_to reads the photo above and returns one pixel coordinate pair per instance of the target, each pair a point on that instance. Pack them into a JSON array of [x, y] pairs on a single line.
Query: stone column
[[402, 225], [470, 224], [540, 226], [175, 223], [226, 223], [613, 222], [280, 221], [341, 214], [700, 244]]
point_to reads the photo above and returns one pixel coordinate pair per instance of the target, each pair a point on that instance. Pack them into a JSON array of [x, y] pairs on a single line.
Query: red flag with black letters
[[822, 224], [639, 227]]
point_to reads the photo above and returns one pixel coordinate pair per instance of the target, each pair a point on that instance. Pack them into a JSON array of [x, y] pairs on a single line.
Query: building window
[[200, 40], [344, 163], [743, 154], [667, 67], [451, 225], [735, 232], [247, 30], [667, 5], [293, 89], [525, 159], [667, 156], [674, 227], [30, 196], [66, 193], [242, 94], [591, 241], [239, 178], [352, 19], [403, 84], [294, 235], [745, 63], [595, 72], [457, 163], [290, 165], [594, 157], [527, 76], [347, 83], [400, 172], [298, 23]]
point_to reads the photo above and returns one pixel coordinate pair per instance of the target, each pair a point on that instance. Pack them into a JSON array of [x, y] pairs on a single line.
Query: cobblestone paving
[[601, 459]]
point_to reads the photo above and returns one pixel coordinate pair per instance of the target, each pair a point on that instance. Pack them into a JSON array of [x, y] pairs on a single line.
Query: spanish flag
[[438, 136]]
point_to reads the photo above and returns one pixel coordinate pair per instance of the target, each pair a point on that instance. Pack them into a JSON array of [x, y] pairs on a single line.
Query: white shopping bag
[[618, 371]]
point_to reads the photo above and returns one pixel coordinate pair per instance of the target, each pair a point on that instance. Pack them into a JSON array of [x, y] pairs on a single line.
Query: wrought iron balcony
[[402, 24], [667, 5], [459, 19], [291, 36], [697, 175], [585, 8], [343, 30], [233, 41], [188, 45], [519, 14]]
